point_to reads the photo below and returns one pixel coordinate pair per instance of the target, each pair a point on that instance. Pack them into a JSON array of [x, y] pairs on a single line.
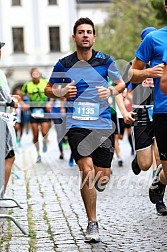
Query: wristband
[[111, 92]]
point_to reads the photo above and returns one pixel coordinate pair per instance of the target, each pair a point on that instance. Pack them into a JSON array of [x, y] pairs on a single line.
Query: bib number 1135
[[86, 111]]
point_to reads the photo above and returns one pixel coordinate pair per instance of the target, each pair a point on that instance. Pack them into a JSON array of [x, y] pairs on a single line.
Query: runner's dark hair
[[83, 21]]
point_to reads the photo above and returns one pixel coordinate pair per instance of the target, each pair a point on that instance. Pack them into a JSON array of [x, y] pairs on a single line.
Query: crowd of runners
[[91, 106]]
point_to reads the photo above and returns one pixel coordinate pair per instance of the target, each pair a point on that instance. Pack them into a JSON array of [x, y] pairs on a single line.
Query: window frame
[[19, 40], [50, 4], [16, 4], [56, 34]]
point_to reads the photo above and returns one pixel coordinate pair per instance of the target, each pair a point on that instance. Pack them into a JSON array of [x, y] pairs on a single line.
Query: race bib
[[86, 111], [8, 117], [37, 112]]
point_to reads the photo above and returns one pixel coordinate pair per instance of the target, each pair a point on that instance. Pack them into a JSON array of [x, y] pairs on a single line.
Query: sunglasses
[[1, 44]]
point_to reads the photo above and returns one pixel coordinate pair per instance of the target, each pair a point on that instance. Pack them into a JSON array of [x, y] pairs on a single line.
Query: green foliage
[[119, 36], [161, 15]]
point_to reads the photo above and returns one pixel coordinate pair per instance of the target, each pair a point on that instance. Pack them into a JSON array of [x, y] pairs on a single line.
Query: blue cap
[[146, 31]]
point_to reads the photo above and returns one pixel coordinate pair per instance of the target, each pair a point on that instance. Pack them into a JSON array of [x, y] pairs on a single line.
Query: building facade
[[38, 32], [36, 27]]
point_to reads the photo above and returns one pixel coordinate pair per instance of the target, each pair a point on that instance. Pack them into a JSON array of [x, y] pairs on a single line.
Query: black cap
[[1, 44]]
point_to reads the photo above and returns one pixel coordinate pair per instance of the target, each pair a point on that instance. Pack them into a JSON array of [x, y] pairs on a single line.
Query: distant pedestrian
[[122, 127], [19, 125], [57, 106], [35, 90]]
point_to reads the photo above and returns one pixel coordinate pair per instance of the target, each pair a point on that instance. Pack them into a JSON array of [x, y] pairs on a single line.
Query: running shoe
[[154, 172], [61, 156], [132, 152], [39, 159], [135, 167], [120, 163], [92, 232], [156, 190], [65, 145], [161, 208], [71, 163], [45, 146]]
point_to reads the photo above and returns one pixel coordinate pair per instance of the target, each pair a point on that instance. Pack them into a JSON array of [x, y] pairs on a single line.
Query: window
[[18, 40], [16, 2], [54, 36], [52, 2]]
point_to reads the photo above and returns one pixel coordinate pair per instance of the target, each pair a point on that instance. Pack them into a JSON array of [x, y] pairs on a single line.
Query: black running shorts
[[10, 154], [160, 126], [143, 135], [97, 144], [118, 124], [38, 120]]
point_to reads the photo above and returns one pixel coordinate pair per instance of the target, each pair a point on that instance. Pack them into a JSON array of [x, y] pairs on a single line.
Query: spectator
[[11, 101]]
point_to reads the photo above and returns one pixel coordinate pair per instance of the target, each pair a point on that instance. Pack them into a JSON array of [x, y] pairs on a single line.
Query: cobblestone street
[[53, 213]]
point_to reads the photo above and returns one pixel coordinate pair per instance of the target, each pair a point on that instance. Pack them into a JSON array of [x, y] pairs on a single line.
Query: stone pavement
[[53, 213]]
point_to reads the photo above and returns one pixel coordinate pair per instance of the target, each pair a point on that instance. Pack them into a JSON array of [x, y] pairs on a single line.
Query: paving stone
[[54, 213]]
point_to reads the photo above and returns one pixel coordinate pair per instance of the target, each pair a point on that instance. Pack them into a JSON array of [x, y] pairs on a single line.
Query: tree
[[119, 36], [160, 11]]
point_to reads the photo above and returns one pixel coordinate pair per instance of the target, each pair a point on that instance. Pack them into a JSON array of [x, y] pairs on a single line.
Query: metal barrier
[[2, 151], [2, 169]]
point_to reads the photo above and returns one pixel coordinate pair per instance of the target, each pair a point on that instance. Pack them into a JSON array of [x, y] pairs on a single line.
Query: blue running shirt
[[86, 110], [152, 50], [165, 56]]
